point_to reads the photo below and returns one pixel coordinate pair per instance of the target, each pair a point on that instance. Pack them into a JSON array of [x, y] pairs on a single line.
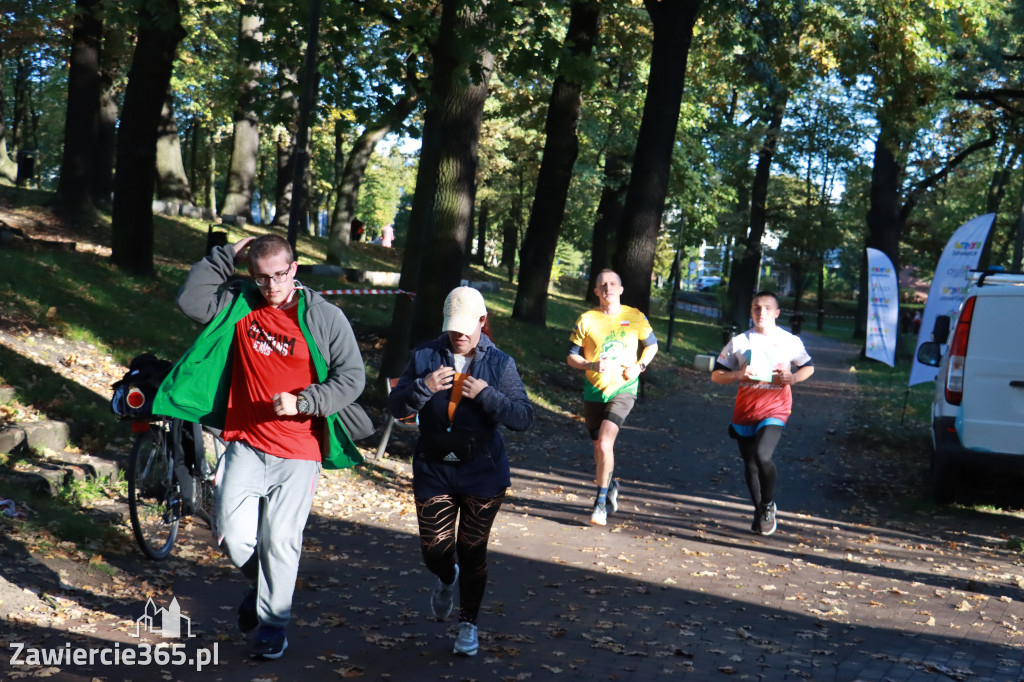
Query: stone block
[[705, 363], [11, 438], [46, 435]]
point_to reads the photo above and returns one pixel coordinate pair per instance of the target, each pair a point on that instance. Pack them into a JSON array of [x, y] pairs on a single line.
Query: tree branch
[[915, 194]]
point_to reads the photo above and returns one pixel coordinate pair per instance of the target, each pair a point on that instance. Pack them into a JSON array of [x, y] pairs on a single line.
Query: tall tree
[[8, 168], [672, 22], [746, 264], [561, 147], [245, 138], [445, 182], [288, 102], [355, 167], [113, 59], [464, 85], [160, 31], [81, 126], [171, 181]]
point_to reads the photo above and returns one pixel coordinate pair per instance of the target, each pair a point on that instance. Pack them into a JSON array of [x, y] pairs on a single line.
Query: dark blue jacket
[[503, 402]]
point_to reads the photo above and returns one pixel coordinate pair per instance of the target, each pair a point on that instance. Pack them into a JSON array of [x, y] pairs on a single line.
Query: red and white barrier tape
[[360, 292]]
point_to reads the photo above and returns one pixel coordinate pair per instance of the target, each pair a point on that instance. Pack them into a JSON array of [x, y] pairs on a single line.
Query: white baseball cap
[[463, 309]]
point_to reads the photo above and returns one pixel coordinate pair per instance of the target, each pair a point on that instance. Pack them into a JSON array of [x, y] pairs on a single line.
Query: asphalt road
[[853, 586]]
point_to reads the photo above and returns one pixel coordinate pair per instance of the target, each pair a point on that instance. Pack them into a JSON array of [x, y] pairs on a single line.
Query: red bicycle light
[[135, 398]]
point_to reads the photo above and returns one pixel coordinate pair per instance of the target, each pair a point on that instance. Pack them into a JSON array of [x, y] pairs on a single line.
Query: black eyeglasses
[[263, 281]]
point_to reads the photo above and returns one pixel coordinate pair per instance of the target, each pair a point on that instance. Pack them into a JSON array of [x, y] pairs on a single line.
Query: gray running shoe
[[442, 599], [613, 496], [466, 643], [599, 517], [768, 524]]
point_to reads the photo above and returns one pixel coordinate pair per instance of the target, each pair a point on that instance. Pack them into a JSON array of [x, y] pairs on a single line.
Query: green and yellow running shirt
[[597, 335]]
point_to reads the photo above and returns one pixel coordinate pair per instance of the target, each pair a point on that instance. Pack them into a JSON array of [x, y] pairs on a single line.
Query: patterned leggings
[[437, 519]]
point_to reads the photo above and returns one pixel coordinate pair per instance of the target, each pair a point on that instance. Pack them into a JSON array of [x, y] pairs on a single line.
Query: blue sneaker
[[270, 643]]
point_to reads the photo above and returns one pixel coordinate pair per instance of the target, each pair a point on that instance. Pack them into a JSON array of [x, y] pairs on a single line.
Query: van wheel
[[944, 481]]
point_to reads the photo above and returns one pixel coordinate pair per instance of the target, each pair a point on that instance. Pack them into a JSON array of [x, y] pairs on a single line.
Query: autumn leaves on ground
[[863, 580]]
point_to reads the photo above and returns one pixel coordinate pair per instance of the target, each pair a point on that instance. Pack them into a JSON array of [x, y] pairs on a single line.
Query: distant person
[[605, 344], [463, 388], [356, 230], [762, 359], [387, 236], [915, 324], [273, 368]]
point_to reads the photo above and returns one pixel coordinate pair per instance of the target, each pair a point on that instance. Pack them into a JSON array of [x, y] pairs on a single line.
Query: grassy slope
[[80, 296]]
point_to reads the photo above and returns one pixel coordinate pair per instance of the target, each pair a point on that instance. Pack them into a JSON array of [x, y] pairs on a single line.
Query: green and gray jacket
[[197, 387]]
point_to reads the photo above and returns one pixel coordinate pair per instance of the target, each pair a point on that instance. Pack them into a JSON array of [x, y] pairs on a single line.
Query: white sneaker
[[599, 517], [613, 496], [442, 599], [466, 643]]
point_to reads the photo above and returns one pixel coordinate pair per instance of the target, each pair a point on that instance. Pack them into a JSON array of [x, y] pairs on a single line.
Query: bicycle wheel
[[205, 479], [153, 499]]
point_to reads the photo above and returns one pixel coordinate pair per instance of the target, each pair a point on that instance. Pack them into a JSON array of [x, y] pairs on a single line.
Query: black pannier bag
[[134, 392]]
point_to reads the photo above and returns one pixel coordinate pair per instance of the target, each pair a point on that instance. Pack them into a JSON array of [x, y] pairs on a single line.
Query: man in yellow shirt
[[605, 342]]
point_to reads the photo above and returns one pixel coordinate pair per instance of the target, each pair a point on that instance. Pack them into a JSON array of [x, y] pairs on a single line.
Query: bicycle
[[163, 489], [171, 474]]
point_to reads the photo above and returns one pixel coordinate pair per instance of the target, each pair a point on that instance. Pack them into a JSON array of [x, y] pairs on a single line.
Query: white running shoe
[[466, 643], [442, 599]]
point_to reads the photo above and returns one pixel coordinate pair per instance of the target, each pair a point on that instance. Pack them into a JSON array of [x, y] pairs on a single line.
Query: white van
[[978, 407]]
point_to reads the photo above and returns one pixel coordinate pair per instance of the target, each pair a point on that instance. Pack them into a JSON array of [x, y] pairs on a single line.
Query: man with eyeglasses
[[278, 369]]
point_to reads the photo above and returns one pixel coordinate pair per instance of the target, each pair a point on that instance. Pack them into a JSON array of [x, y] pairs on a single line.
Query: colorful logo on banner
[[883, 308], [961, 255]]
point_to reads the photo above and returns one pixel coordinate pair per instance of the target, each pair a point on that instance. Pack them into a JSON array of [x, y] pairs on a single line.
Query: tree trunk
[[397, 351], [81, 125], [510, 234], [455, 191], [481, 234], [561, 147], [106, 133], [211, 174], [996, 193], [22, 135], [286, 147], [746, 264], [609, 216], [885, 219], [445, 186], [160, 31], [246, 138], [8, 168], [171, 181], [673, 22], [355, 169]]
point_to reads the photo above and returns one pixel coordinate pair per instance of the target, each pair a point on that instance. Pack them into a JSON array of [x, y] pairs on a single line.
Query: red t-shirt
[[271, 356]]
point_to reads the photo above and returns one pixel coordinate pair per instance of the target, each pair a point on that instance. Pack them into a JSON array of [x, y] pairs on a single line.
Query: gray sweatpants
[[263, 502]]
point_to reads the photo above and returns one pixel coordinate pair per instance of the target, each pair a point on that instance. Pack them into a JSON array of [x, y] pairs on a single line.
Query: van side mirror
[[940, 332], [930, 353]]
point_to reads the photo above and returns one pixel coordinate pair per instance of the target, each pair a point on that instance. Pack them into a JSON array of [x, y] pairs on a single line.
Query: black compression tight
[[439, 543], [759, 468]]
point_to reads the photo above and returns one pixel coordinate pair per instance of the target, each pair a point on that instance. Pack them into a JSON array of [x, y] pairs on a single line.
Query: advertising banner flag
[[883, 308], [961, 255]]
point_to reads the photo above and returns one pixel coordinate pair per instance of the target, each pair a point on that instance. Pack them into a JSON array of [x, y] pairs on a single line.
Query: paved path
[[674, 587]]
